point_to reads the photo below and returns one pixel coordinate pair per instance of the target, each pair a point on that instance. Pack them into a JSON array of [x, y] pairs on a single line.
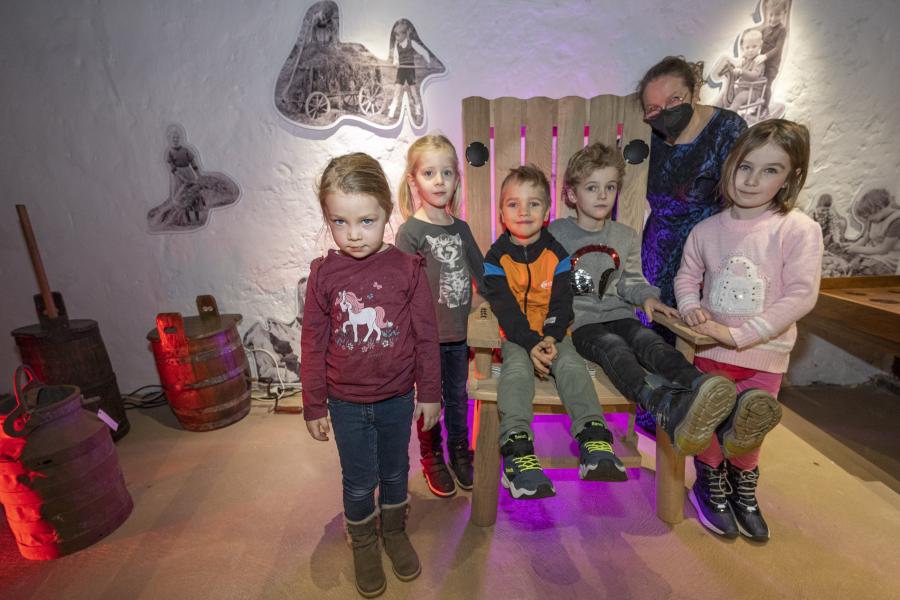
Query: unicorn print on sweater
[[360, 314]]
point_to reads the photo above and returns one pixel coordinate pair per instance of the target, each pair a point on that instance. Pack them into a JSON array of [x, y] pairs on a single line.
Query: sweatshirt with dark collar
[[528, 288]]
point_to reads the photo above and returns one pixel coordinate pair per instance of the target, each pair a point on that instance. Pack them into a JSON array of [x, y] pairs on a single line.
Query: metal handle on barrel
[[17, 424]]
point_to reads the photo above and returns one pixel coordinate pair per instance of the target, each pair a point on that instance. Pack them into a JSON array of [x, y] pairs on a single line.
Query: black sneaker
[[755, 414], [522, 473], [709, 495], [690, 415], [437, 475], [598, 462], [742, 500], [461, 464]]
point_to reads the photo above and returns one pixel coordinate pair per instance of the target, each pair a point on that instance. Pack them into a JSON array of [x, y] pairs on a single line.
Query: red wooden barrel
[[202, 366], [60, 482], [71, 352]]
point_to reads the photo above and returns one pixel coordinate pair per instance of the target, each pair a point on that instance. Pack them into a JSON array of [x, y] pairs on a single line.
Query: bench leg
[[670, 494], [487, 465], [630, 433]]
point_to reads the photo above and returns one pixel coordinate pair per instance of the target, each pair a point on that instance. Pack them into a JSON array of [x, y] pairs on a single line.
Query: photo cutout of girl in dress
[[410, 54], [192, 191], [325, 81]]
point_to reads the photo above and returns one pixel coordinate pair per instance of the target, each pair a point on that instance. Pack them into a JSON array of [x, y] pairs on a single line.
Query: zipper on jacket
[[528, 287]]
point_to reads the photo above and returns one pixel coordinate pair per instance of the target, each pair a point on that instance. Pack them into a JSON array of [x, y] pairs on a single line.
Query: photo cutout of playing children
[[275, 344], [746, 79], [865, 241], [325, 81], [192, 191]]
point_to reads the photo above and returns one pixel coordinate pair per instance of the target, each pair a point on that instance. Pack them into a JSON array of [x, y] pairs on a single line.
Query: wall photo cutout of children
[[193, 192], [864, 240], [325, 81], [274, 345]]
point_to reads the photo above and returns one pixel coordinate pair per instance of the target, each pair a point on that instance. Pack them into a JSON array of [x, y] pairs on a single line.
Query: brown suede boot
[[370, 581], [397, 546]]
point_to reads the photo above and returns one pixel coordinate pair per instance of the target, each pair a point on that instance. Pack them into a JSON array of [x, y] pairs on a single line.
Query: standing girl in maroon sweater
[[369, 335]]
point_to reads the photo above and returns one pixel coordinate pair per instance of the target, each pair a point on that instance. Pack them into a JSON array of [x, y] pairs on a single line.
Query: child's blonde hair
[[530, 174], [426, 143], [586, 161], [791, 137], [356, 173]]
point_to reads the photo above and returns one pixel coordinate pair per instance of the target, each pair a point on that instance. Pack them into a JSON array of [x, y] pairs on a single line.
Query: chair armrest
[[483, 329], [680, 328]]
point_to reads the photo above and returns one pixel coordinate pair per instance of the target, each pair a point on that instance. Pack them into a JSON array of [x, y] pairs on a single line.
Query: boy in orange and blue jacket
[[526, 281]]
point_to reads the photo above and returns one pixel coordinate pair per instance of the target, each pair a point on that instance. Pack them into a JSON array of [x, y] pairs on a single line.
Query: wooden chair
[[547, 132]]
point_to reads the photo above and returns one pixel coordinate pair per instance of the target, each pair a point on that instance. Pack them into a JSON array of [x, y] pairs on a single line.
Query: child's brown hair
[[530, 174], [586, 161], [791, 137], [426, 143], [356, 173]]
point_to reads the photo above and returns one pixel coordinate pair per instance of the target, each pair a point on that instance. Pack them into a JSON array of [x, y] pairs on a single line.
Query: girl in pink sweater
[[758, 264]]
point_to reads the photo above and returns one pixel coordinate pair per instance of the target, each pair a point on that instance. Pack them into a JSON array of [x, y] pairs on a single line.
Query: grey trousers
[[515, 390]]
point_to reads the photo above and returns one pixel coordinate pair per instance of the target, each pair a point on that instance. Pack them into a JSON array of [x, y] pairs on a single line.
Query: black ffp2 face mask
[[672, 121]]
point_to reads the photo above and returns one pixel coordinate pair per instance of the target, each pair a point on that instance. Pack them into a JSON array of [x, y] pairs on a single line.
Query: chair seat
[[545, 393], [546, 401]]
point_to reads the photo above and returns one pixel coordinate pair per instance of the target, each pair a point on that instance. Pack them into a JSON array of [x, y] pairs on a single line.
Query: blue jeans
[[455, 399], [373, 444]]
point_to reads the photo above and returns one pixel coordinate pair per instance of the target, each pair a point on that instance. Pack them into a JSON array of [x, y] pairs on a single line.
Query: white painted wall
[[89, 86]]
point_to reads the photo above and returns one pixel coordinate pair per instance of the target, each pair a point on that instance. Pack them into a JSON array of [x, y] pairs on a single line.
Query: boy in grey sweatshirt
[[607, 285]]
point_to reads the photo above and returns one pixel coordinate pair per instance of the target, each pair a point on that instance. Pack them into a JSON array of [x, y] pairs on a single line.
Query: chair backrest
[[548, 132]]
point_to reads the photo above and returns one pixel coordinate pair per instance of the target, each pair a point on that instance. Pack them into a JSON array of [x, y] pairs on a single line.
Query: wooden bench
[[547, 132]]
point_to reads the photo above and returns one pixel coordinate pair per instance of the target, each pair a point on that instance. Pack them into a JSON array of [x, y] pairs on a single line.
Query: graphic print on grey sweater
[[454, 286]]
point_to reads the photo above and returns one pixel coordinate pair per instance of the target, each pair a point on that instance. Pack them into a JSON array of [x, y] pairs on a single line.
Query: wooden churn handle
[[36, 261]]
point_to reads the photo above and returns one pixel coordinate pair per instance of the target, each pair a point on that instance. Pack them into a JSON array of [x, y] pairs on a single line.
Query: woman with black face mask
[[689, 146]]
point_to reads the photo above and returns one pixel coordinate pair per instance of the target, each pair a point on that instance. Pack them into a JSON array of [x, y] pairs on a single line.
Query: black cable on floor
[[148, 399]]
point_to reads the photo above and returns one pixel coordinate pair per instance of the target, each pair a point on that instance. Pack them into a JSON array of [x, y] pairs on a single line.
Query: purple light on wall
[[493, 187], [553, 170], [522, 145], [464, 200], [614, 215]]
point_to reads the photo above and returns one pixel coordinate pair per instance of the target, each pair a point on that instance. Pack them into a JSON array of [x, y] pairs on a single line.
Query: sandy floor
[[252, 511]]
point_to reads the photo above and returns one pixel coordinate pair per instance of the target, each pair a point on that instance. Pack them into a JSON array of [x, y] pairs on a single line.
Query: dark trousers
[[455, 400], [373, 445], [627, 350]]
